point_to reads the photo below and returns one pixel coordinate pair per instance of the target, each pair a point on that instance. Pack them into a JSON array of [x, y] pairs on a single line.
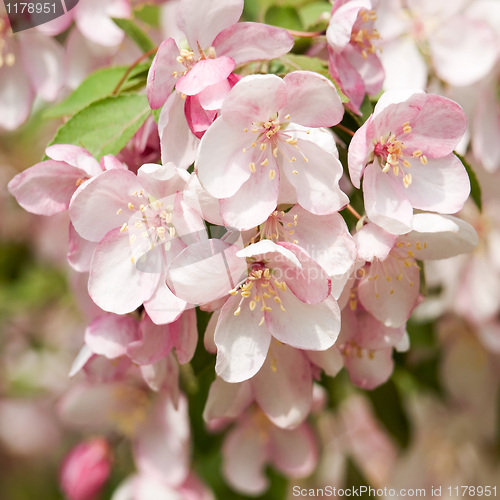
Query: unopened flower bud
[[85, 469]]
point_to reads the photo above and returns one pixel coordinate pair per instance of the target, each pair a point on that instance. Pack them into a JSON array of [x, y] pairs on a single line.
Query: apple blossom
[[216, 43], [261, 142], [404, 152], [352, 48], [140, 229], [280, 272]]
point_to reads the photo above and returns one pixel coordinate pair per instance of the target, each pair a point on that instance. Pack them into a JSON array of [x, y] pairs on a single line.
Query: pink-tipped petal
[[253, 202], [386, 201], [213, 264], [312, 100], [202, 21], [110, 335], [283, 386], [115, 284], [242, 344], [162, 74], [295, 327], [205, 73], [102, 204], [245, 42], [47, 187]]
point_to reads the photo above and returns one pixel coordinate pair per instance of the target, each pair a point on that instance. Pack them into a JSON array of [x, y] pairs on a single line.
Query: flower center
[[150, 226], [261, 288], [363, 32], [391, 152], [277, 229], [272, 140], [188, 58]]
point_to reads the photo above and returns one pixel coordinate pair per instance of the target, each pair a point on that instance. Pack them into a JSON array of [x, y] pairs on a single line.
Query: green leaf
[[150, 14], [475, 187], [311, 15], [135, 33], [294, 62], [96, 86], [106, 125], [284, 17]]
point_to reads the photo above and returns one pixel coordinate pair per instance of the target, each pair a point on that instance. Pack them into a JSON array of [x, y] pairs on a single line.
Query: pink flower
[[262, 143], [138, 222], [283, 294], [404, 154], [325, 238], [388, 285], [216, 43], [47, 187], [352, 48], [85, 470]]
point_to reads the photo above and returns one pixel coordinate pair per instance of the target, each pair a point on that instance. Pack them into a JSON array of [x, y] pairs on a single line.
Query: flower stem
[[305, 34], [345, 129], [353, 211], [130, 68]]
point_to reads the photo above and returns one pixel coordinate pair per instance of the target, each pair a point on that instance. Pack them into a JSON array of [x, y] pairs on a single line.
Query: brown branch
[[130, 68]]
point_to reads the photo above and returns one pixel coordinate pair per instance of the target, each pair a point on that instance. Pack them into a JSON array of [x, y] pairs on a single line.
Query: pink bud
[[85, 469]]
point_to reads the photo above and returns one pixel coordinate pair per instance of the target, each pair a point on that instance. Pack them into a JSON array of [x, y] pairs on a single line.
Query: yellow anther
[[386, 168], [294, 172], [237, 312], [263, 146], [233, 291], [423, 160], [388, 278], [406, 127], [417, 153], [130, 206], [275, 152], [124, 228], [272, 174], [407, 180], [252, 167], [132, 260], [245, 129], [262, 321], [265, 162], [406, 164], [252, 305], [292, 141], [133, 238], [119, 211]]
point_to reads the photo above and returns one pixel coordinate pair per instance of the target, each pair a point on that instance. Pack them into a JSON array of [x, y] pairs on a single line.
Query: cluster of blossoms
[[235, 203]]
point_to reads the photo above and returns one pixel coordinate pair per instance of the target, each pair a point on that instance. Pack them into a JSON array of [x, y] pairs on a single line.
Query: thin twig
[[305, 34], [130, 68], [345, 129], [353, 211]]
